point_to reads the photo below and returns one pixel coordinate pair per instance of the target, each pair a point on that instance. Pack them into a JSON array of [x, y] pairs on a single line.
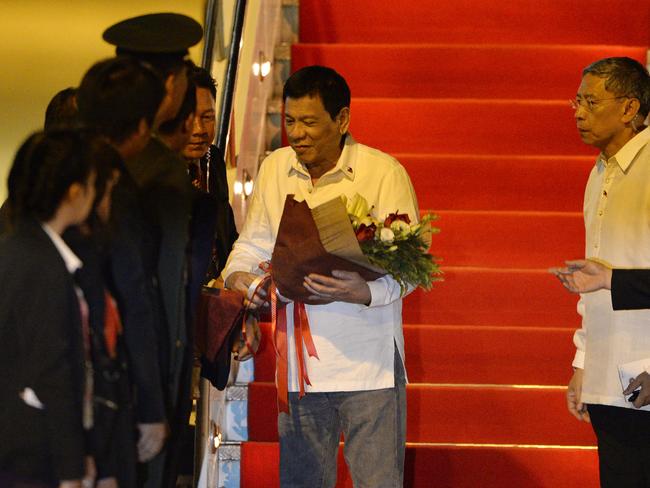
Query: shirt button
[[600, 213]]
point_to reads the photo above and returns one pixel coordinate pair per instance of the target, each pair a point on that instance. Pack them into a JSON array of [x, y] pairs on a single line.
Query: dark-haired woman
[[112, 440], [45, 373]]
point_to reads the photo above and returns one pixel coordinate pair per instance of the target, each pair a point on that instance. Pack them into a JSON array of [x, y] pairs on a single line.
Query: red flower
[[366, 232], [395, 216]]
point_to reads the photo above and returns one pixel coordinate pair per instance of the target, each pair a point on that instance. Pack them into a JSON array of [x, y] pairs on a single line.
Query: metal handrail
[[229, 83], [209, 33]]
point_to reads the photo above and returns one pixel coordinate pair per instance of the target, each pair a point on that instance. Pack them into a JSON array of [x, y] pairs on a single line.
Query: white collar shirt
[[72, 262], [355, 343], [617, 225]]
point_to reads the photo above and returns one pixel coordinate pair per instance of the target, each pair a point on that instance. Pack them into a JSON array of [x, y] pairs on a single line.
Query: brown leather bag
[[218, 324]]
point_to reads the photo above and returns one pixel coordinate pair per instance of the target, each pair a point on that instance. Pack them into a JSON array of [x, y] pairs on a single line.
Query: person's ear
[[632, 106], [75, 190], [343, 119]]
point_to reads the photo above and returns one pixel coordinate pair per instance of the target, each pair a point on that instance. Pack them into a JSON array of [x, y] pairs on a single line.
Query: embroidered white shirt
[[617, 225], [355, 343]]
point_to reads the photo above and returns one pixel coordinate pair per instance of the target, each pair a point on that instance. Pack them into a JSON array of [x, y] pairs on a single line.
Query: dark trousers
[[623, 446]]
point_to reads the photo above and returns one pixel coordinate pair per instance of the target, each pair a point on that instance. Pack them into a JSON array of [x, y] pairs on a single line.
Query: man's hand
[[574, 390], [152, 438], [241, 281], [643, 381], [342, 286], [584, 276]]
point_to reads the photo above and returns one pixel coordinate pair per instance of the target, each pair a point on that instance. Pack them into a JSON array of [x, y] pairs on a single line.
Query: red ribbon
[[303, 340]]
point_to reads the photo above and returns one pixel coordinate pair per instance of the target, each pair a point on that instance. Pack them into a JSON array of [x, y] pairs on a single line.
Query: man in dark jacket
[[162, 41], [120, 98], [207, 167]]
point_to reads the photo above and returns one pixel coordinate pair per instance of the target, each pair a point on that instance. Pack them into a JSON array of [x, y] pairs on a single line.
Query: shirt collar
[[72, 262], [628, 152], [346, 163]]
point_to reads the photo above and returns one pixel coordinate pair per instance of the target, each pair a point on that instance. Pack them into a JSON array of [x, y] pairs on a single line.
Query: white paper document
[[629, 371]]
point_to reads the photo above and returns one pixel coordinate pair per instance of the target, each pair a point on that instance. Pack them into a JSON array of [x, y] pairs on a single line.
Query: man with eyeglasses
[[611, 105]]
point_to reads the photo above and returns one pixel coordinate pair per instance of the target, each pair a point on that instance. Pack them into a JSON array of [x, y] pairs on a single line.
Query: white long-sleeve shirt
[[355, 343], [617, 224]]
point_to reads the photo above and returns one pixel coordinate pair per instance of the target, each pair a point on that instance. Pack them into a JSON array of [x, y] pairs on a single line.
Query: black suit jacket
[[165, 191], [226, 232], [134, 282], [40, 348], [630, 289]]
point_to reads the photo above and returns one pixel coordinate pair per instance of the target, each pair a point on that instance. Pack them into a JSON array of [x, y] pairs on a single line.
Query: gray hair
[[624, 77]]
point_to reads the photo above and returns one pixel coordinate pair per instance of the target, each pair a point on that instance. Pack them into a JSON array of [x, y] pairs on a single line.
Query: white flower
[[400, 227], [386, 235]]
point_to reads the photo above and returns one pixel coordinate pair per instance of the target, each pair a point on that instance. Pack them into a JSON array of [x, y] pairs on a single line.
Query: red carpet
[[507, 182], [414, 70], [444, 466], [490, 296], [466, 413], [471, 96], [471, 354], [475, 22], [488, 238], [460, 125]]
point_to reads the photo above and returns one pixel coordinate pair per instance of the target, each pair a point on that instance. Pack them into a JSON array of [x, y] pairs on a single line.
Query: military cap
[[155, 33]]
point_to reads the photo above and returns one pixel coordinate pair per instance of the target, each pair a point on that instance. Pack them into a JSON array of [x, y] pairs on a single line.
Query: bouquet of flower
[[394, 244], [331, 236]]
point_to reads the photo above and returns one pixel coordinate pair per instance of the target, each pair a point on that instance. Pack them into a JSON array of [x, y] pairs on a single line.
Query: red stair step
[[459, 413], [448, 466], [488, 355], [475, 21], [467, 126], [452, 70], [483, 296], [508, 182], [493, 297], [508, 239], [470, 354]]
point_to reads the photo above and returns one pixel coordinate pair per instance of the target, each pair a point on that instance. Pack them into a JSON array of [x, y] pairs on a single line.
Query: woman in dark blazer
[[44, 351]]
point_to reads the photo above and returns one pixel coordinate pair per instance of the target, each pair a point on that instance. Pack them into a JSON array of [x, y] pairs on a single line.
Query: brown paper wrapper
[[318, 241]]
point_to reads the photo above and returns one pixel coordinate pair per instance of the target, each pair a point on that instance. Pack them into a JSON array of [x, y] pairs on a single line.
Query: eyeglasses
[[590, 103]]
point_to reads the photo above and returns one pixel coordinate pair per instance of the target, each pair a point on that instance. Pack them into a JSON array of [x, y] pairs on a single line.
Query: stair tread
[[474, 21], [451, 70], [432, 125], [455, 466], [445, 413], [444, 354], [473, 238]]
